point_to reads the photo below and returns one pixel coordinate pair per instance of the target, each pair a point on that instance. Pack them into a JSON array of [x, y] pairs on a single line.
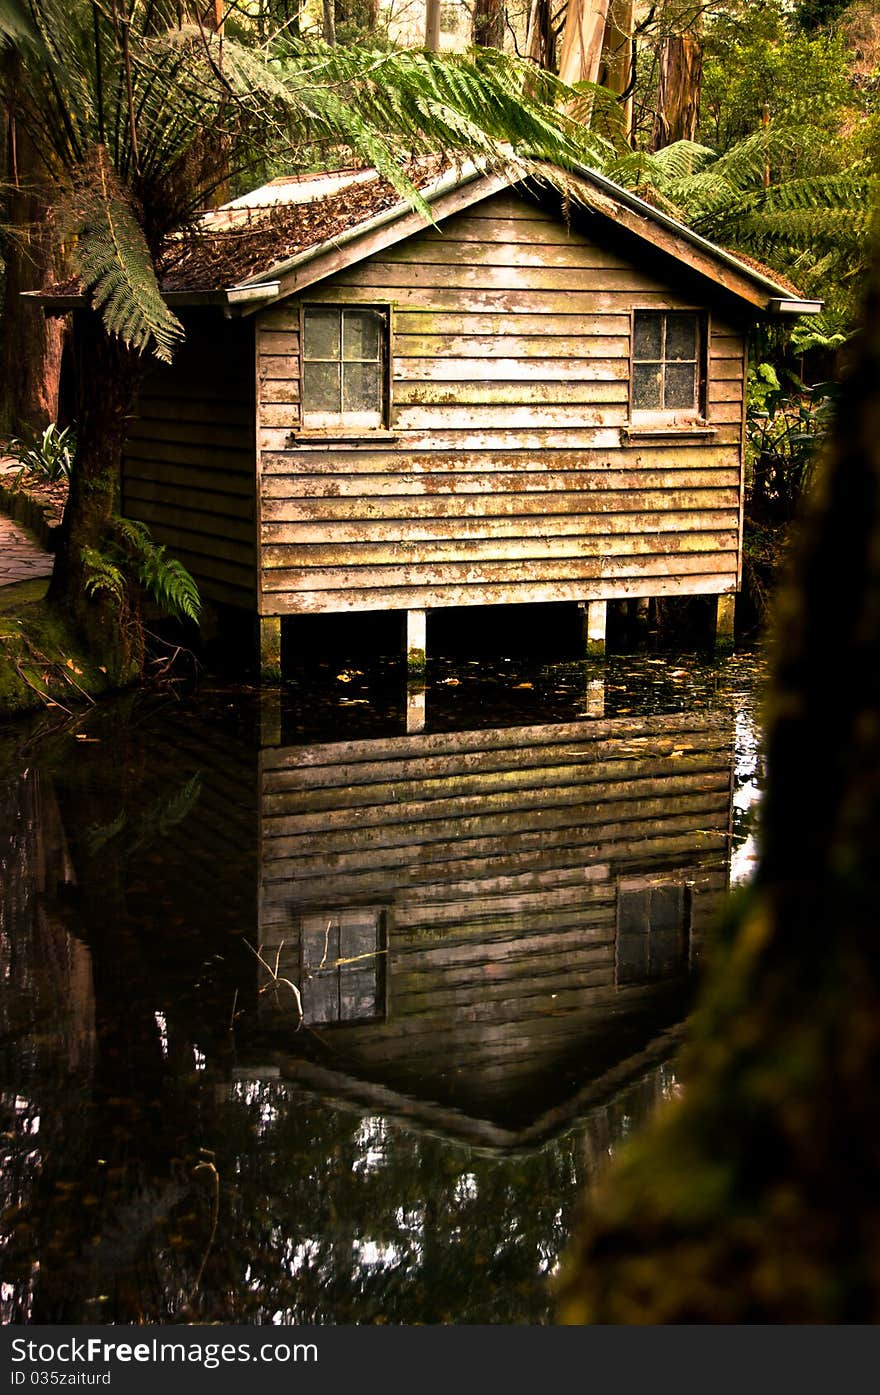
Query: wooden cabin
[[538, 396]]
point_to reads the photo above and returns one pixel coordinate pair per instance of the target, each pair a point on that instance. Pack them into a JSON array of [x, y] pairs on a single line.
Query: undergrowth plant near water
[[131, 557]]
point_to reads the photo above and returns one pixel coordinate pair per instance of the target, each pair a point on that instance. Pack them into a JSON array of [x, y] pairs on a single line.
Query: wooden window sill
[[662, 431], [341, 437]]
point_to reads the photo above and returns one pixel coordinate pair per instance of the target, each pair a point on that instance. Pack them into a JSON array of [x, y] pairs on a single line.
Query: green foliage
[[47, 455], [114, 262], [103, 576], [131, 558], [760, 63], [785, 426], [164, 578], [140, 123]]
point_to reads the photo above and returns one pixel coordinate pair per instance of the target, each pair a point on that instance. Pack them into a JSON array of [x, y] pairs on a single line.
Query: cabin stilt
[[270, 648], [415, 707], [595, 615], [416, 639], [270, 717], [724, 618]]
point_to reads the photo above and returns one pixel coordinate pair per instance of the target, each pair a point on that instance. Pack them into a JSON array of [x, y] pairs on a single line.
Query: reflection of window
[[653, 928], [344, 358], [666, 361], [342, 979]]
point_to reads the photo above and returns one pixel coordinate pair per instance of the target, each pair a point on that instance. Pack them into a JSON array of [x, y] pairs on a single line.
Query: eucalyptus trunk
[[489, 23], [678, 90]]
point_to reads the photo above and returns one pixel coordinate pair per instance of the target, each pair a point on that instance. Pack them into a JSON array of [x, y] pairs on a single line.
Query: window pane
[[647, 334], [360, 334], [321, 387], [361, 388], [647, 386], [667, 907], [681, 336], [667, 955], [633, 953], [322, 333], [320, 998], [681, 385]]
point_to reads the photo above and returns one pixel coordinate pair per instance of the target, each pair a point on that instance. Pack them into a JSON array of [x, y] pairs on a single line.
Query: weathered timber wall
[[190, 458], [497, 861], [510, 478]]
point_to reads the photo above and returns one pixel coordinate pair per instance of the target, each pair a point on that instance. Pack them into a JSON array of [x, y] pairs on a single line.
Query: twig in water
[[206, 1166], [276, 977]]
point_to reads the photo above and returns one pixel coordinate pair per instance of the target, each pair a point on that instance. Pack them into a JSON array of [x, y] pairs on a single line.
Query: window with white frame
[[344, 358], [667, 355]]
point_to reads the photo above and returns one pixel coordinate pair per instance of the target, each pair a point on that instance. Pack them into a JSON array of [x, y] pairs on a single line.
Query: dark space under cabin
[[534, 398]]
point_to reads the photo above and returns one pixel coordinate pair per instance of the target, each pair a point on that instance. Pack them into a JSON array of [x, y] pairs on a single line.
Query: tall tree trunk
[[30, 351], [597, 47], [489, 23], [541, 36], [582, 39], [107, 378], [330, 23], [678, 90], [616, 66], [432, 26]]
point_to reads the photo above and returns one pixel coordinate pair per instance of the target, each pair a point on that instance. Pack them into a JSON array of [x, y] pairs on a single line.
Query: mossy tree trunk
[[107, 378], [757, 1198]]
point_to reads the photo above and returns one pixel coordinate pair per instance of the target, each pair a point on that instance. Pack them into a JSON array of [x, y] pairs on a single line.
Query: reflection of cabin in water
[[470, 916], [535, 399]]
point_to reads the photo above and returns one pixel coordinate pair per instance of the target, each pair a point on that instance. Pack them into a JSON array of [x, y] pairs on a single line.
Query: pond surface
[[306, 1018]]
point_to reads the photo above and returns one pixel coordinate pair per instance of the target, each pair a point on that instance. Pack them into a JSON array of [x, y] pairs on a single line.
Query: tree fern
[[112, 257]]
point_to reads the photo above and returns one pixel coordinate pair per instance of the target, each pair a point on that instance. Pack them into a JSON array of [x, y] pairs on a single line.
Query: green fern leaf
[[114, 261]]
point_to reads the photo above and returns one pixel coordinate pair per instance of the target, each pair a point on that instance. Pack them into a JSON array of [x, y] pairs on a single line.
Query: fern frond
[[114, 261], [101, 574], [164, 578]]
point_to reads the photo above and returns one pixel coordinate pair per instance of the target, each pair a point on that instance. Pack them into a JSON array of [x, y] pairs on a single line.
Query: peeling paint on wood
[[510, 479]]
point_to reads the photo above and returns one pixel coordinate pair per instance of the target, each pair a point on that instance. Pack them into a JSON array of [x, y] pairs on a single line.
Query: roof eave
[[793, 305], [749, 284]]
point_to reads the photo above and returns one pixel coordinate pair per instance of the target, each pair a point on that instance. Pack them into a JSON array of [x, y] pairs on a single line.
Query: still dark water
[[305, 1019]]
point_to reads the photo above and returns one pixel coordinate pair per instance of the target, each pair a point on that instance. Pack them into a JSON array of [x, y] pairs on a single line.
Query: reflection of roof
[[431, 1117]]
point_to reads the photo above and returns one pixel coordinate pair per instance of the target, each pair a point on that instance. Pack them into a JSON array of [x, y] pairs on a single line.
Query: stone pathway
[[21, 558]]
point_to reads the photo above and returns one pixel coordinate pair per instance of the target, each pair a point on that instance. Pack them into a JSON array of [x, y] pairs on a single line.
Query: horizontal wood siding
[[496, 860], [509, 478], [190, 458]]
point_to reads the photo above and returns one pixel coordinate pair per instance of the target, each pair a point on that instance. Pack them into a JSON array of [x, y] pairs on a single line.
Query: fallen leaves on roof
[[211, 260]]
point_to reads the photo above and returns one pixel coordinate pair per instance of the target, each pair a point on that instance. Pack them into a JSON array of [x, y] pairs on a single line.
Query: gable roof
[[295, 231], [292, 233]]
